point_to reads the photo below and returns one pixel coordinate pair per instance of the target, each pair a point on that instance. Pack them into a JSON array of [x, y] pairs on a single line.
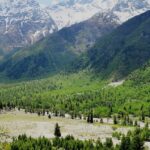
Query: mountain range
[[104, 42], [23, 23], [68, 12], [58, 50], [26, 22], [115, 54]]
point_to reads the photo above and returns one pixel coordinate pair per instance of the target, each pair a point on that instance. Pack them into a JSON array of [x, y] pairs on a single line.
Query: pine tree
[[137, 143], [125, 143], [115, 120], [108, 143], [88, 119], [143, 116], [49, 116], [91, 117], [57, 132], [1, 105], [101, 120], [136, 123]]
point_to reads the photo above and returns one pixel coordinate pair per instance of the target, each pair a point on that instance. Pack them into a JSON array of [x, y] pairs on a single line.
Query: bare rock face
[[23, 22]]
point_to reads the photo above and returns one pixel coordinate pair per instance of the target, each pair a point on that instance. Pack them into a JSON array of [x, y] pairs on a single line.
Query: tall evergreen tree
[[115, 120], [57, 132], [125, 143], [137, 143], [90, 118], [108, 143]]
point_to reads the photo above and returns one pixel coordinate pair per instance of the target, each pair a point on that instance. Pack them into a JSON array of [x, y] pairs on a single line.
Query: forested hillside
[[124, 50], [123, 54], [115, 55], [140, 76], [56, 52], [79, 93]]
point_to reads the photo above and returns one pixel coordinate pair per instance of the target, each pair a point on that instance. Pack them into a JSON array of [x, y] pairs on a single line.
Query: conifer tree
[[137, 143], [101, 120], [115, 120], [57, 132], [108, 143], [125, 143], [49, 116], [90, 117]]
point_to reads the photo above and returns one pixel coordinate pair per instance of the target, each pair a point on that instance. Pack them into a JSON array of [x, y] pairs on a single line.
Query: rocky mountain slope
[[114, 55], [23, 23], [59, 49], [68, 12]]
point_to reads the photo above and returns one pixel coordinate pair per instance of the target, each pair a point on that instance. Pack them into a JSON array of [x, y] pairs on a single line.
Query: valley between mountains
[[75, 83]]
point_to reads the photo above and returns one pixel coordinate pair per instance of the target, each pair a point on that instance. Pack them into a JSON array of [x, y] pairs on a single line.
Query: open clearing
[[16, 123]]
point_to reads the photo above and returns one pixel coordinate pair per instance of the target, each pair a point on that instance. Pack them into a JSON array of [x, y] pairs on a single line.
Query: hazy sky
[[46, 2]]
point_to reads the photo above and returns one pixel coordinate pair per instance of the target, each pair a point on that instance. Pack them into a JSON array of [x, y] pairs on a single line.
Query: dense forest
[[80, 93], [124, 50]]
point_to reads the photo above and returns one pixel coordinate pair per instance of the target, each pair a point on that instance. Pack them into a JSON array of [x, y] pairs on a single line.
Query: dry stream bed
[[17, 123]]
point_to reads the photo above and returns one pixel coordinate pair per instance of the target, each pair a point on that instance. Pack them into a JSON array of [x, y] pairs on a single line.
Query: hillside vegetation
[[109, 81], [124, 50], [122, 54], [56, 52], [79, 93], [115, 55]]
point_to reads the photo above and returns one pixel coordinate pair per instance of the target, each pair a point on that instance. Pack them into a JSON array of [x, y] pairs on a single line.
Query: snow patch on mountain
[[23, 22], [126, 9], [68, 12]]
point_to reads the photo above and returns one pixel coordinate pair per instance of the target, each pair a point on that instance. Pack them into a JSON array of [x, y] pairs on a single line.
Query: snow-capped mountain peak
[[23, 22], [126, 9], [68, 12]]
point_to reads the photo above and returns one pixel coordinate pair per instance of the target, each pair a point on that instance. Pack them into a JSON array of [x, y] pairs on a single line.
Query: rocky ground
[[17, 122]]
